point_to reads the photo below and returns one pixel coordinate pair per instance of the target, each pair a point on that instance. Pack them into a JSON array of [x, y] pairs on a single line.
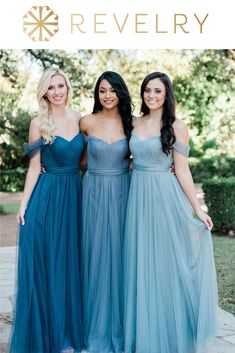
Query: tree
[[203, 80]]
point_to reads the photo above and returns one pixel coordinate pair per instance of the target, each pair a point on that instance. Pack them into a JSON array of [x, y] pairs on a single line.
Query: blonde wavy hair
[[47, 126]]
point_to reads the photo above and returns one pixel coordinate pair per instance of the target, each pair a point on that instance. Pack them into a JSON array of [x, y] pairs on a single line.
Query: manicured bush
[[12, 180], [220, 199], [207, 168], [9, 208], [201, 168]]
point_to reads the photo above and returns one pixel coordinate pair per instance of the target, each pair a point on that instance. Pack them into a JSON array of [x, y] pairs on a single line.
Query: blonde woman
[[48, 307]]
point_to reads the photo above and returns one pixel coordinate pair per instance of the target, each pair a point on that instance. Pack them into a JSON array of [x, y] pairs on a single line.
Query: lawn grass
[[224, 251], [6, 208]]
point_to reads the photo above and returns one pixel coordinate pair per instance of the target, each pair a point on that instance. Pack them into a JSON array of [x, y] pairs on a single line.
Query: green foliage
[[224, 250], [14, 125], [203, 80], [211, 75], [14, 120], [12, 180], [206, 97], [219, 197], [207, 168], [9, 208], [9, 64], [76, 64]]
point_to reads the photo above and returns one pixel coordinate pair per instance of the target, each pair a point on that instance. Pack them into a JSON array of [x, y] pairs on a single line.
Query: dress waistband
[[108, 171], [62, 170], [149, 169]]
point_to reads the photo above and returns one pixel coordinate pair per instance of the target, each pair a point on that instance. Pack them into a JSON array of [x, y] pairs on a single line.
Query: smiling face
[[107, 95], [154, 94], [57, 91]]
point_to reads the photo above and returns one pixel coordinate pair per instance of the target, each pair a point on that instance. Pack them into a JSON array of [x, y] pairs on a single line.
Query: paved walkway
[[224, 342], [10, 197]]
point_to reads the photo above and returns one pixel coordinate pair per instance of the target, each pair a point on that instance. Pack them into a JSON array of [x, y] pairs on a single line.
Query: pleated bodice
[[107, 156], [148, 152]]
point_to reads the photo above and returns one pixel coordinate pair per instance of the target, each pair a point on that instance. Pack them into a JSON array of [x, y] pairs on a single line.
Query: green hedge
[[12, 180], [207, 168], [220, 199], [201, 168]]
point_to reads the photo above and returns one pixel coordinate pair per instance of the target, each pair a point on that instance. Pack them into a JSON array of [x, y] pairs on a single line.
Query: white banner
[[117, 24]]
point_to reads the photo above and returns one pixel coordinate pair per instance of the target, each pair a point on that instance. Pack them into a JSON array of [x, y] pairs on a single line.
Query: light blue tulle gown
[[170, 281], [105, 192], [48, 312]]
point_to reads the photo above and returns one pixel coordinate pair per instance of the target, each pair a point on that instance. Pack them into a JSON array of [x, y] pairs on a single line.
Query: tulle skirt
[[48, 312], [170, 281], [104, 211]]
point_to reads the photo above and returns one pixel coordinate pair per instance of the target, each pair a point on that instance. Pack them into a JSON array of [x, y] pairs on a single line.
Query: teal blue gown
[[170, 281], [48, 311], [105, 192]]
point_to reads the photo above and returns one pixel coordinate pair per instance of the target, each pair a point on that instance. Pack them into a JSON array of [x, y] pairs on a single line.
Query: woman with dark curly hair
[[170, 281], [105, 192]]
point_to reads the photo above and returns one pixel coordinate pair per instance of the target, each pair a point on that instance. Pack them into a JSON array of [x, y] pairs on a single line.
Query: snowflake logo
[[40, 23]]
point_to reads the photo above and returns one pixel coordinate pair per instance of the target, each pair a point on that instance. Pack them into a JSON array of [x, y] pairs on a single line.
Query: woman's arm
[[184, 175], [33, 172]]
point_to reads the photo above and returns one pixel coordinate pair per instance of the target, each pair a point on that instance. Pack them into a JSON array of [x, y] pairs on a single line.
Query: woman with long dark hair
[[170, 282], [105, 192]]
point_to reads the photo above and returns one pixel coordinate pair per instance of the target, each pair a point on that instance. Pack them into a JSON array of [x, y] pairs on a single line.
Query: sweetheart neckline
[[79, 133], [148, 138], [108, 143]]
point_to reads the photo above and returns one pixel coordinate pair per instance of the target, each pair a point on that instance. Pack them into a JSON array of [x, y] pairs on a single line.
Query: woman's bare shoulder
[[136, 120], [86, 121], [34, 129], [181, 131]]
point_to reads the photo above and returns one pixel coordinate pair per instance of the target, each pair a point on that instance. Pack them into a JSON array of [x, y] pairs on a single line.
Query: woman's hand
[[43, 170], [205, 219], [20, 215]]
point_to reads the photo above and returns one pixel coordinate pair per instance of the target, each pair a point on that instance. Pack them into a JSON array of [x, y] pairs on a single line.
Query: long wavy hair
[[125, 106], [47, 126], [168, 115]]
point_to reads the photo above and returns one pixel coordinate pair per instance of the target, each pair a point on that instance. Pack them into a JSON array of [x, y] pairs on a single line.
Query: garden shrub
[[12, 180], [207, 168], [220, 199]]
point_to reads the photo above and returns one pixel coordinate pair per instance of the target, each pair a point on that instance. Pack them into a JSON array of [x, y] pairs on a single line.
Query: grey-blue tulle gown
[[170, 281], [105, 192], [48, 311]]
